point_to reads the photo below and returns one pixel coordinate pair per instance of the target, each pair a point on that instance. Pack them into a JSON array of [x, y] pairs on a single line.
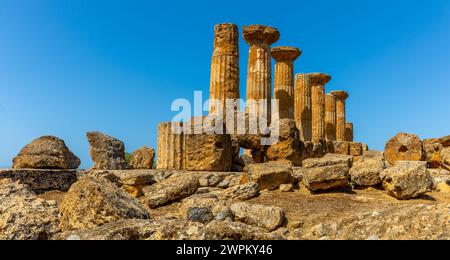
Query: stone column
[[341, 96], [284, 80], [302, 106], [170, 148], [330, 117], [318, 81], [259, 72], [349, 132], [224, 82]]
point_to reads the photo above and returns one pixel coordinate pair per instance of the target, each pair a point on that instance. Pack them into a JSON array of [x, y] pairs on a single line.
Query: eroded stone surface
[[403, 147], [266, 217], [108, 153], [142, 158]]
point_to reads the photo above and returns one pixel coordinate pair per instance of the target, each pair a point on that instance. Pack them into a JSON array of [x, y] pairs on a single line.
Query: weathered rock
[[140, 229], [356, 149], [365, 147], [445, 157], [142, 158], [341, 147], [230, 180], [93, 202], [403, 147], [46, 152], [170, 190], [222, 212], [266, 217], [328, 160], [286, 187], [225, 230], [432, 149], [212, 179], [107, 152], [326, 177], [366, 171], [199, 208], [271, 175], [407, 179], [23, 216], [240, 192], [40, 180], [288, 146]]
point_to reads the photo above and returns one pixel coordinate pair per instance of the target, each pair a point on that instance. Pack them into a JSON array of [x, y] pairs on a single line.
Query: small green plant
[[127, 157]]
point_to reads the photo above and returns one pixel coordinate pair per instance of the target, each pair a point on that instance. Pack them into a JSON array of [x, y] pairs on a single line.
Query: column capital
[[285, 53], [255, 34], [340, 94], [319, 78]]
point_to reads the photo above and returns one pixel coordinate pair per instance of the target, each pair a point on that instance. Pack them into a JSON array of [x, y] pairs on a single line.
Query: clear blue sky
[[67, 67]]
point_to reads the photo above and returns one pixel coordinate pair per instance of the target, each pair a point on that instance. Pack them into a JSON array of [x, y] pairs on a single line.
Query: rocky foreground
[[270, 201]]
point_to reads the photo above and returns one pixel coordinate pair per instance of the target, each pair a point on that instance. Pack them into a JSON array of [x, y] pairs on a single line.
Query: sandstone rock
[[445, 157], [46, 152], [286, 187], [225, 230], [315, 150], [407, 179], [271, 175], [222, 212], [445, 141], [341, 147], [366, 171], [396, 222], [132, 177], [326, 177], [365, 147], [266, 217], [212, 179], [142, 158], [230, 180], [240, 192], [207, 151], [199, 208], [23, 216], [328, 160], [40, 180], [93, 202], [288, 146], [170, 190], [107, 152], [356, 149], [403, 147], [140, 229]]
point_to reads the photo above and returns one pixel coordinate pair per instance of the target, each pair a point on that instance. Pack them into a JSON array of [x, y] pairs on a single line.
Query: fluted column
[[224, 82], [318, 81], [330, 117], [259, 72], [284, 80], [349, 132], [341, 96], [302, 106], [170, 148]]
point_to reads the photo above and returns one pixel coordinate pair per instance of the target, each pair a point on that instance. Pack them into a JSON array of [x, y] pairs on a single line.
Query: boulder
[[366, 171], [407, 179], [170, 190], [341, 147], [326, 178], [445, 157], [40, 180], [140, 229], [23, 216], [288, 147], [46, 152], [93, 202], [271, 175], [199, 208], [286, 187], [356, 149], [328, 160], [432, 149], [222, 212], [315, 150], [240, 192], [142, 158], [266, 217], [207, 151], [107, 152], [404, 147], [226, 230]]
